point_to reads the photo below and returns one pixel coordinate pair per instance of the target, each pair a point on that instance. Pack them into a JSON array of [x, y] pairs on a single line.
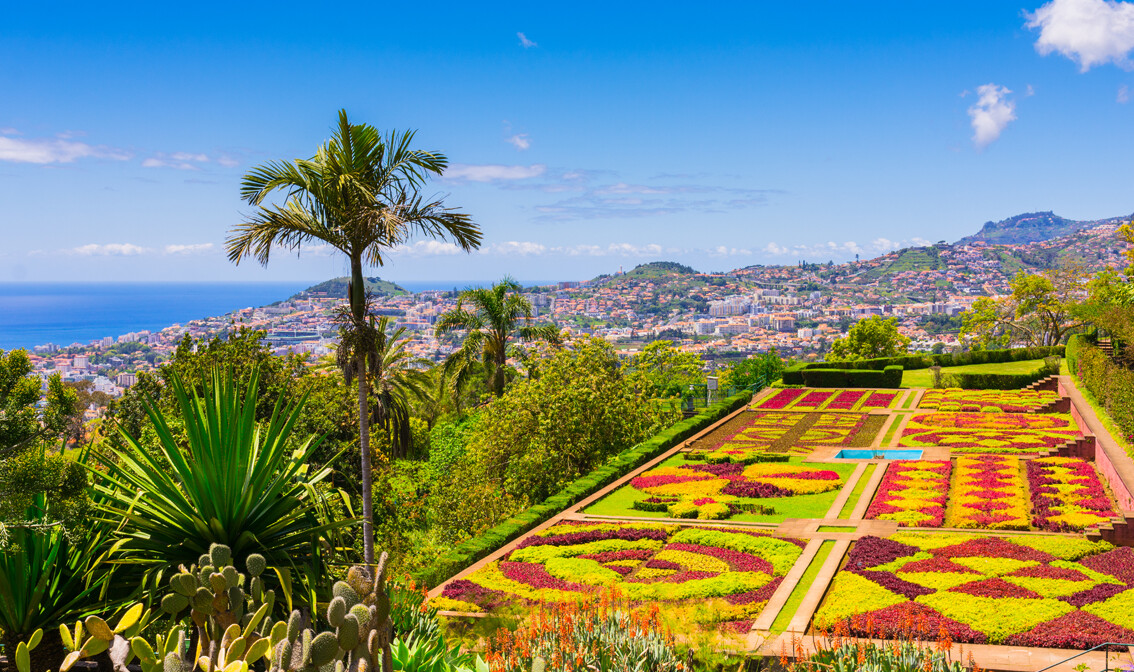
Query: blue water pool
[[886, 454]]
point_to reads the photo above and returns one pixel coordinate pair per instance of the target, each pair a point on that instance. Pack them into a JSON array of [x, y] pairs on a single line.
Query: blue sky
[[581, 139]]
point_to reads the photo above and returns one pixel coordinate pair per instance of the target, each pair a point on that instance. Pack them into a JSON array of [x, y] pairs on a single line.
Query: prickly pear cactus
[[359, 612], [229, 609]]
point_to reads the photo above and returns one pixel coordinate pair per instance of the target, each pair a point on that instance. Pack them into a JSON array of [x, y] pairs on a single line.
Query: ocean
[[64, 313]]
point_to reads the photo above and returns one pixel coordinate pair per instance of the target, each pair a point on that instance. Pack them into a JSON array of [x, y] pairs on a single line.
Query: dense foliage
[[870, 338]]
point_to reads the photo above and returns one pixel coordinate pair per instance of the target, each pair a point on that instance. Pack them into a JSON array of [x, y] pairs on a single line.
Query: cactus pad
[[255, 564], [220, 555]]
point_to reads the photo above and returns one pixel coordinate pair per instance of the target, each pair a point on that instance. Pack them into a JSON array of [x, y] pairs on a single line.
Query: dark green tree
[[499, 316], [359, 194]]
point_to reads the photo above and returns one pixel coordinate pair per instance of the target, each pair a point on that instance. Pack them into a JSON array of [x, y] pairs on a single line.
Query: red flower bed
[[738, 561], [759, 595], [899, 495], [814, 399], [1103, 591], [911, 619], [782, 399], [1057, 510], [1076, 630], [880, 400], [994, 587], [992, 547], [846, 400], [1118, 563], [1050, 572], [628, 554], [890, 581], [626, 534], [537, 577], [873, 551]]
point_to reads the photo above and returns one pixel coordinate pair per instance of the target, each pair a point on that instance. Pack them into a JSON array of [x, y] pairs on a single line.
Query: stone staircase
[[1120, 531], [1049, 384], [1082, 448]]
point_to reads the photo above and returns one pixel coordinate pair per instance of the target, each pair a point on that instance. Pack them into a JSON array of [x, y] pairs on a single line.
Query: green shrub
[[923, 361], [890, 377], [478, 547], [1111, 384]]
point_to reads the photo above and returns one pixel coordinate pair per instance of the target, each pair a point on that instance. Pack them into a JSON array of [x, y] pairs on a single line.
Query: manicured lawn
[[852, 501], [924, 377], [796, 598], [621, 501]]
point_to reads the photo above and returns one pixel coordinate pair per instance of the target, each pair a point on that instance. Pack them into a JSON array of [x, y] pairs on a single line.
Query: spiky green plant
[[219, 477]]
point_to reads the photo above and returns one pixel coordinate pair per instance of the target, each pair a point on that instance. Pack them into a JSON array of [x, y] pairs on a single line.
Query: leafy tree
[[546, 432], [360, 194], [871, 337], [1041, 310], [86, 396], [500, 315], [37, 487], [747, 372], [663, 371]]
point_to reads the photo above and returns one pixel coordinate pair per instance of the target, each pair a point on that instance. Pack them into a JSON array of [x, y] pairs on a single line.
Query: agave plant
[[47, 577], [215, 475]]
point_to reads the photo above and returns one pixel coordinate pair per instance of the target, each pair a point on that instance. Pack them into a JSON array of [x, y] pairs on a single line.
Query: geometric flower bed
[[990, 432], [717, 491], [645, 561], [913, 493], [805, 399], [1067, 494], [762, 434], [989, 494], [970, 401], [1022, 591]]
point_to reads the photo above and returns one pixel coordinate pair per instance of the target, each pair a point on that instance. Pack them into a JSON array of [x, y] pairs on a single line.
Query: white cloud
[[176, 160], [1089, 32], [520, 141], [832, 249], [724, 251], [57, 150], [492, 173], [228, 161], [991, 113], [8, 131], [775, 249], [516, 248], [428, 248], [196, 248], [525, 42], [1123, 94], [107, 250]]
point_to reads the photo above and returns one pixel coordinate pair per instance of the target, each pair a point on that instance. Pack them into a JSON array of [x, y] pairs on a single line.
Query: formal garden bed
[[807, 399], [768, 435], [1012, 433], [711, 576], [767, 492], [993, 492], [1029, 590], [987, 401]]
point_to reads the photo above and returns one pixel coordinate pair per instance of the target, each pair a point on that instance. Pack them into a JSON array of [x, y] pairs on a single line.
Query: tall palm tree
[[500, 315], [397, 377], [360, 195]]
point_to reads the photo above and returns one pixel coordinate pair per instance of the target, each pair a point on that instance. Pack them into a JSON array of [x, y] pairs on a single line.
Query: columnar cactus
[[360, 615]]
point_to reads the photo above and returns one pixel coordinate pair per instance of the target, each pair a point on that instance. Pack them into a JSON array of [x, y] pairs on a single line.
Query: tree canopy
[[869, 338]]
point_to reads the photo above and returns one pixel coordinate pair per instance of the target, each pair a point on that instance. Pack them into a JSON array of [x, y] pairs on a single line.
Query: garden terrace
[[994, 540]]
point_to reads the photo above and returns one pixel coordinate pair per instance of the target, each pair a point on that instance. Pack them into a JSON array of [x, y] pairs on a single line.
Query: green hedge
[[1110, 383], [922, 361], [999, 381], [890, 377], [1075, 346], [478, 547]]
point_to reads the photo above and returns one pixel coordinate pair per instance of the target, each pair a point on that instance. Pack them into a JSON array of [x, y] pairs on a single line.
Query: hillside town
[[796, 309]]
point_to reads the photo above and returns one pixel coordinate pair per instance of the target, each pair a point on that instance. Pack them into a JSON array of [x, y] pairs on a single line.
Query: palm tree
[[397, 378], [500, 314], [359, 194]]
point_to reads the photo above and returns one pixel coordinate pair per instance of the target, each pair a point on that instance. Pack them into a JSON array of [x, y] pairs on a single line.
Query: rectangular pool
[[883, 454]]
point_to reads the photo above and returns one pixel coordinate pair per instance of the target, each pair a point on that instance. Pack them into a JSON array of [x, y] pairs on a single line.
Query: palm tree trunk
[[364, 447], [358, 307]]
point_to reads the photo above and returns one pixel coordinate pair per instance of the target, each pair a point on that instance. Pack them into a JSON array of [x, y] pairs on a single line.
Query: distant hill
[[338, 287], [650, 271], [1030, 227]]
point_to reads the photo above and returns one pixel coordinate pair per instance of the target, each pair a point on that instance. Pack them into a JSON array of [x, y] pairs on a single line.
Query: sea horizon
[[63, 313]]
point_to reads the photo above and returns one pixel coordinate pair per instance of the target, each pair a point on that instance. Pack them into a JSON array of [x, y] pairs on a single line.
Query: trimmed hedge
[[1075, 346], [999, 381], [912, 362], [1111, 384], [478, 547], [890, 377]]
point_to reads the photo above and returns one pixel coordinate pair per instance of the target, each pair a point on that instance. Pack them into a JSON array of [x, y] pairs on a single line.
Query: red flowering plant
[[1067, 494]]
